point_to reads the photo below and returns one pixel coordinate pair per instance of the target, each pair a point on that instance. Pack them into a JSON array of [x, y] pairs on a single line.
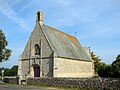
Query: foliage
[[7, 72], [97, 62], [104, 70], [115, 68], [4, 52], [14, 70], [10, 72]]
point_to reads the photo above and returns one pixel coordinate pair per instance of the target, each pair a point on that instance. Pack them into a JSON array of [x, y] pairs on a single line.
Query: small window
[[37, 49]]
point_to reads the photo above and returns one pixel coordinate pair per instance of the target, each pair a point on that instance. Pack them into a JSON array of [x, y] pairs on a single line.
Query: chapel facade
[[52, 53]]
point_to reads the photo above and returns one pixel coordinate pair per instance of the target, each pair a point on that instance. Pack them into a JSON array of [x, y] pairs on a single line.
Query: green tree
[[11, 72], [115, 68], [14, 70], [4, 52], [7, 72], [97, 62], [104, 70]]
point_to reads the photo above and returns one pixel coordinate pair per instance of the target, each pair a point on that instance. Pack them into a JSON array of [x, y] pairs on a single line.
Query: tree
[[97, 62], [10, 72], [115, 68], [4, 52], [14, 70], [104, 70], [7, 72]]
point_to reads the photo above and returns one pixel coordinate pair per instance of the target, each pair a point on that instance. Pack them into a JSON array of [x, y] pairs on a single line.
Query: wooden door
[[36, 71]]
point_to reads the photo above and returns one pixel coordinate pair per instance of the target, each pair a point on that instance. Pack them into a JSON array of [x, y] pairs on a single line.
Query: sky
[[97, 23]]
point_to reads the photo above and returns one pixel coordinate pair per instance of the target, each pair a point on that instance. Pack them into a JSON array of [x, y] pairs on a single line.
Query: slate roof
[[64, 45]]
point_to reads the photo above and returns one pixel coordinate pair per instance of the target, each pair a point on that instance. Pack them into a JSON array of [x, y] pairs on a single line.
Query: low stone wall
[[11, 80], [96, 83]]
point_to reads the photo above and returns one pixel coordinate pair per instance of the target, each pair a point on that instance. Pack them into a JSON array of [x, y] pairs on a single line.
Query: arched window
[[37, 49]]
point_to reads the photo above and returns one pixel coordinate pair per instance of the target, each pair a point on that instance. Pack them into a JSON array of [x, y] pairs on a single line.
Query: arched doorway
[[36, 69]]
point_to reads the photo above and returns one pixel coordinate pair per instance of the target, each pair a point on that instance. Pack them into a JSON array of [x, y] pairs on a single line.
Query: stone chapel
[[53, 53]]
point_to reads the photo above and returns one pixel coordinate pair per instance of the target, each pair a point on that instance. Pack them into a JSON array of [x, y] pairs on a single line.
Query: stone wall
[[96, 83], [73, 68], [11, 80], [37, 37]]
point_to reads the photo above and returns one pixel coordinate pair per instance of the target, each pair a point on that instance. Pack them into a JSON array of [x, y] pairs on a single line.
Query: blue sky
[[97, 23]]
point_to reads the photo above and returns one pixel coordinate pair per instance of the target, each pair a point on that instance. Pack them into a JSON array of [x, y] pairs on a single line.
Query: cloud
[[88, 12], [70, 13], [26, 5], [14, 2], [6, 10], [107, 27]]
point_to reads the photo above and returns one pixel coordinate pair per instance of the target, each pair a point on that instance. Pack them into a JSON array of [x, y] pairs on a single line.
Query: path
[[19, 87]]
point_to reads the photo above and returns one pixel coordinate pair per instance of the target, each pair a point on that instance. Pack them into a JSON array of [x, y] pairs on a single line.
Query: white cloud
[[72, 12], [6, 10], [13, 2], [26, 6]]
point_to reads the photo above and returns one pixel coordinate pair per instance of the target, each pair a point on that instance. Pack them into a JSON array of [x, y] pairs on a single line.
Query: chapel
[[52, 53]]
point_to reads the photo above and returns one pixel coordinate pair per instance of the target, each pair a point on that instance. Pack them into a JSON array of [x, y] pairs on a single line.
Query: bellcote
[[39, 17]]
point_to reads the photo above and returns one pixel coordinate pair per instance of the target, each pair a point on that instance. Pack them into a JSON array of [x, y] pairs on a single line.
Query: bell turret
[[39, 17]]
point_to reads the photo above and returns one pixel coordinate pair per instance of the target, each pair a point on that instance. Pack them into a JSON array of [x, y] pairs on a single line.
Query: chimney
[[39, 17]]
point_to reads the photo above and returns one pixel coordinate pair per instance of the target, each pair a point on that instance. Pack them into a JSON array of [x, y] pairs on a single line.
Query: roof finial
[[39, 17]]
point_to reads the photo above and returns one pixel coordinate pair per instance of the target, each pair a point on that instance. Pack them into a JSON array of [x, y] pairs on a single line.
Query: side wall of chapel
[[73, 68]]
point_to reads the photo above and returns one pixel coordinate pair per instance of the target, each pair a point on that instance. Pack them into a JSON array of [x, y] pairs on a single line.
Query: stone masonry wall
[[73, 68], [11, 80], [91, 83]]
